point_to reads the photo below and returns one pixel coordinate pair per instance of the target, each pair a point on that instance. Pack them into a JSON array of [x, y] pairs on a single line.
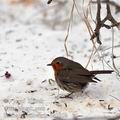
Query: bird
[[72, 76]]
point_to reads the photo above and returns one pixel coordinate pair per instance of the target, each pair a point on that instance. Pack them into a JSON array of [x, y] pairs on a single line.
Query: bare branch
[[101, 23]]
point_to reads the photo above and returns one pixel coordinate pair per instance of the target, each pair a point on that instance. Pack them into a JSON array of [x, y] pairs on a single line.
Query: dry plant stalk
[[113, 63], [90, 30], [68, 29]]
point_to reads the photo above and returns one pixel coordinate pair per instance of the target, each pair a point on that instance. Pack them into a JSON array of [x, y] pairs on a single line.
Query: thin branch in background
[[115, 98], [95, 49], [90, 57], [109, 15], [85, 19], [115, 46], [98, 22], [108, 64], [68, 30], [101, 23], [91, 13], [98, 40], [113, 3], [90, 30], [88, 24], [112, 67], [89, 27], [102, 59], [113, 63]]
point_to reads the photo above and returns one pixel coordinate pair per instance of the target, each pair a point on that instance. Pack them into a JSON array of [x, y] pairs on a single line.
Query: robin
[[72, 76]]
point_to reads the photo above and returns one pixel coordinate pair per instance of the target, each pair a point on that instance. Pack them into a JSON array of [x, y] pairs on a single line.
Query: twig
[[115, 98], [117, 71], [68, 30], [89, 27], [90, 58], [117, 7], [98, 23], [101, 23], [111, 47]]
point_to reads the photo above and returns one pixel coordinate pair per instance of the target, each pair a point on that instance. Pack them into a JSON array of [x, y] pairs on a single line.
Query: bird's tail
[[101, 72]]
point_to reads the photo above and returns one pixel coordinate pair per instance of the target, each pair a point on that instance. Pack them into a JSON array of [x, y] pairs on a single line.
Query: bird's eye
[[58, 62]]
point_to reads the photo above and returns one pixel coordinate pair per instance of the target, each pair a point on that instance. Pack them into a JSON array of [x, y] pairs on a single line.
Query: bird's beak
[[49, 64]]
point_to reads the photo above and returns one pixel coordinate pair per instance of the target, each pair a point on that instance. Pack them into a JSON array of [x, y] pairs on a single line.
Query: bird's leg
[[67, 96]]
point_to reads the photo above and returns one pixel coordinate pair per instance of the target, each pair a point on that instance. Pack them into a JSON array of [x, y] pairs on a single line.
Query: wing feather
[[75, 76]]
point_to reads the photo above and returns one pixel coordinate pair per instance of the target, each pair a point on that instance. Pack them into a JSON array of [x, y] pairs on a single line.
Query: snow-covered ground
[[27, 46]]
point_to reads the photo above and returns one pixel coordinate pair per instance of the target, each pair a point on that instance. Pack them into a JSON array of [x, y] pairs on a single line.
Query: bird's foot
[[67, 96]]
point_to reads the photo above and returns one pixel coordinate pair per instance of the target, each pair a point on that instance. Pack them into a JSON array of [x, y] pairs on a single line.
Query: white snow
[[27, 46]]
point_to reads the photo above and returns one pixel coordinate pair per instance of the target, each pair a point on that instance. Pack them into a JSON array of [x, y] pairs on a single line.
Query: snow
[[27, 46]]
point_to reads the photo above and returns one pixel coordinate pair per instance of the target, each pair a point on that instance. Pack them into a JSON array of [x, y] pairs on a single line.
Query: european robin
[[72, 76]]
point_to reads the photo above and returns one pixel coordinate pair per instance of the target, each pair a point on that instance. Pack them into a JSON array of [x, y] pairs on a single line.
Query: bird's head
[[59, 63]]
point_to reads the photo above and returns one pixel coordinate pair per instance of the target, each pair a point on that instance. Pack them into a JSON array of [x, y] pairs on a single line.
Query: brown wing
[[83, 72], [73, 76]]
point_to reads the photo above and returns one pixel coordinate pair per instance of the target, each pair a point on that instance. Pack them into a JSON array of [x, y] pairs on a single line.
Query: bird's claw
[[67, 96]]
